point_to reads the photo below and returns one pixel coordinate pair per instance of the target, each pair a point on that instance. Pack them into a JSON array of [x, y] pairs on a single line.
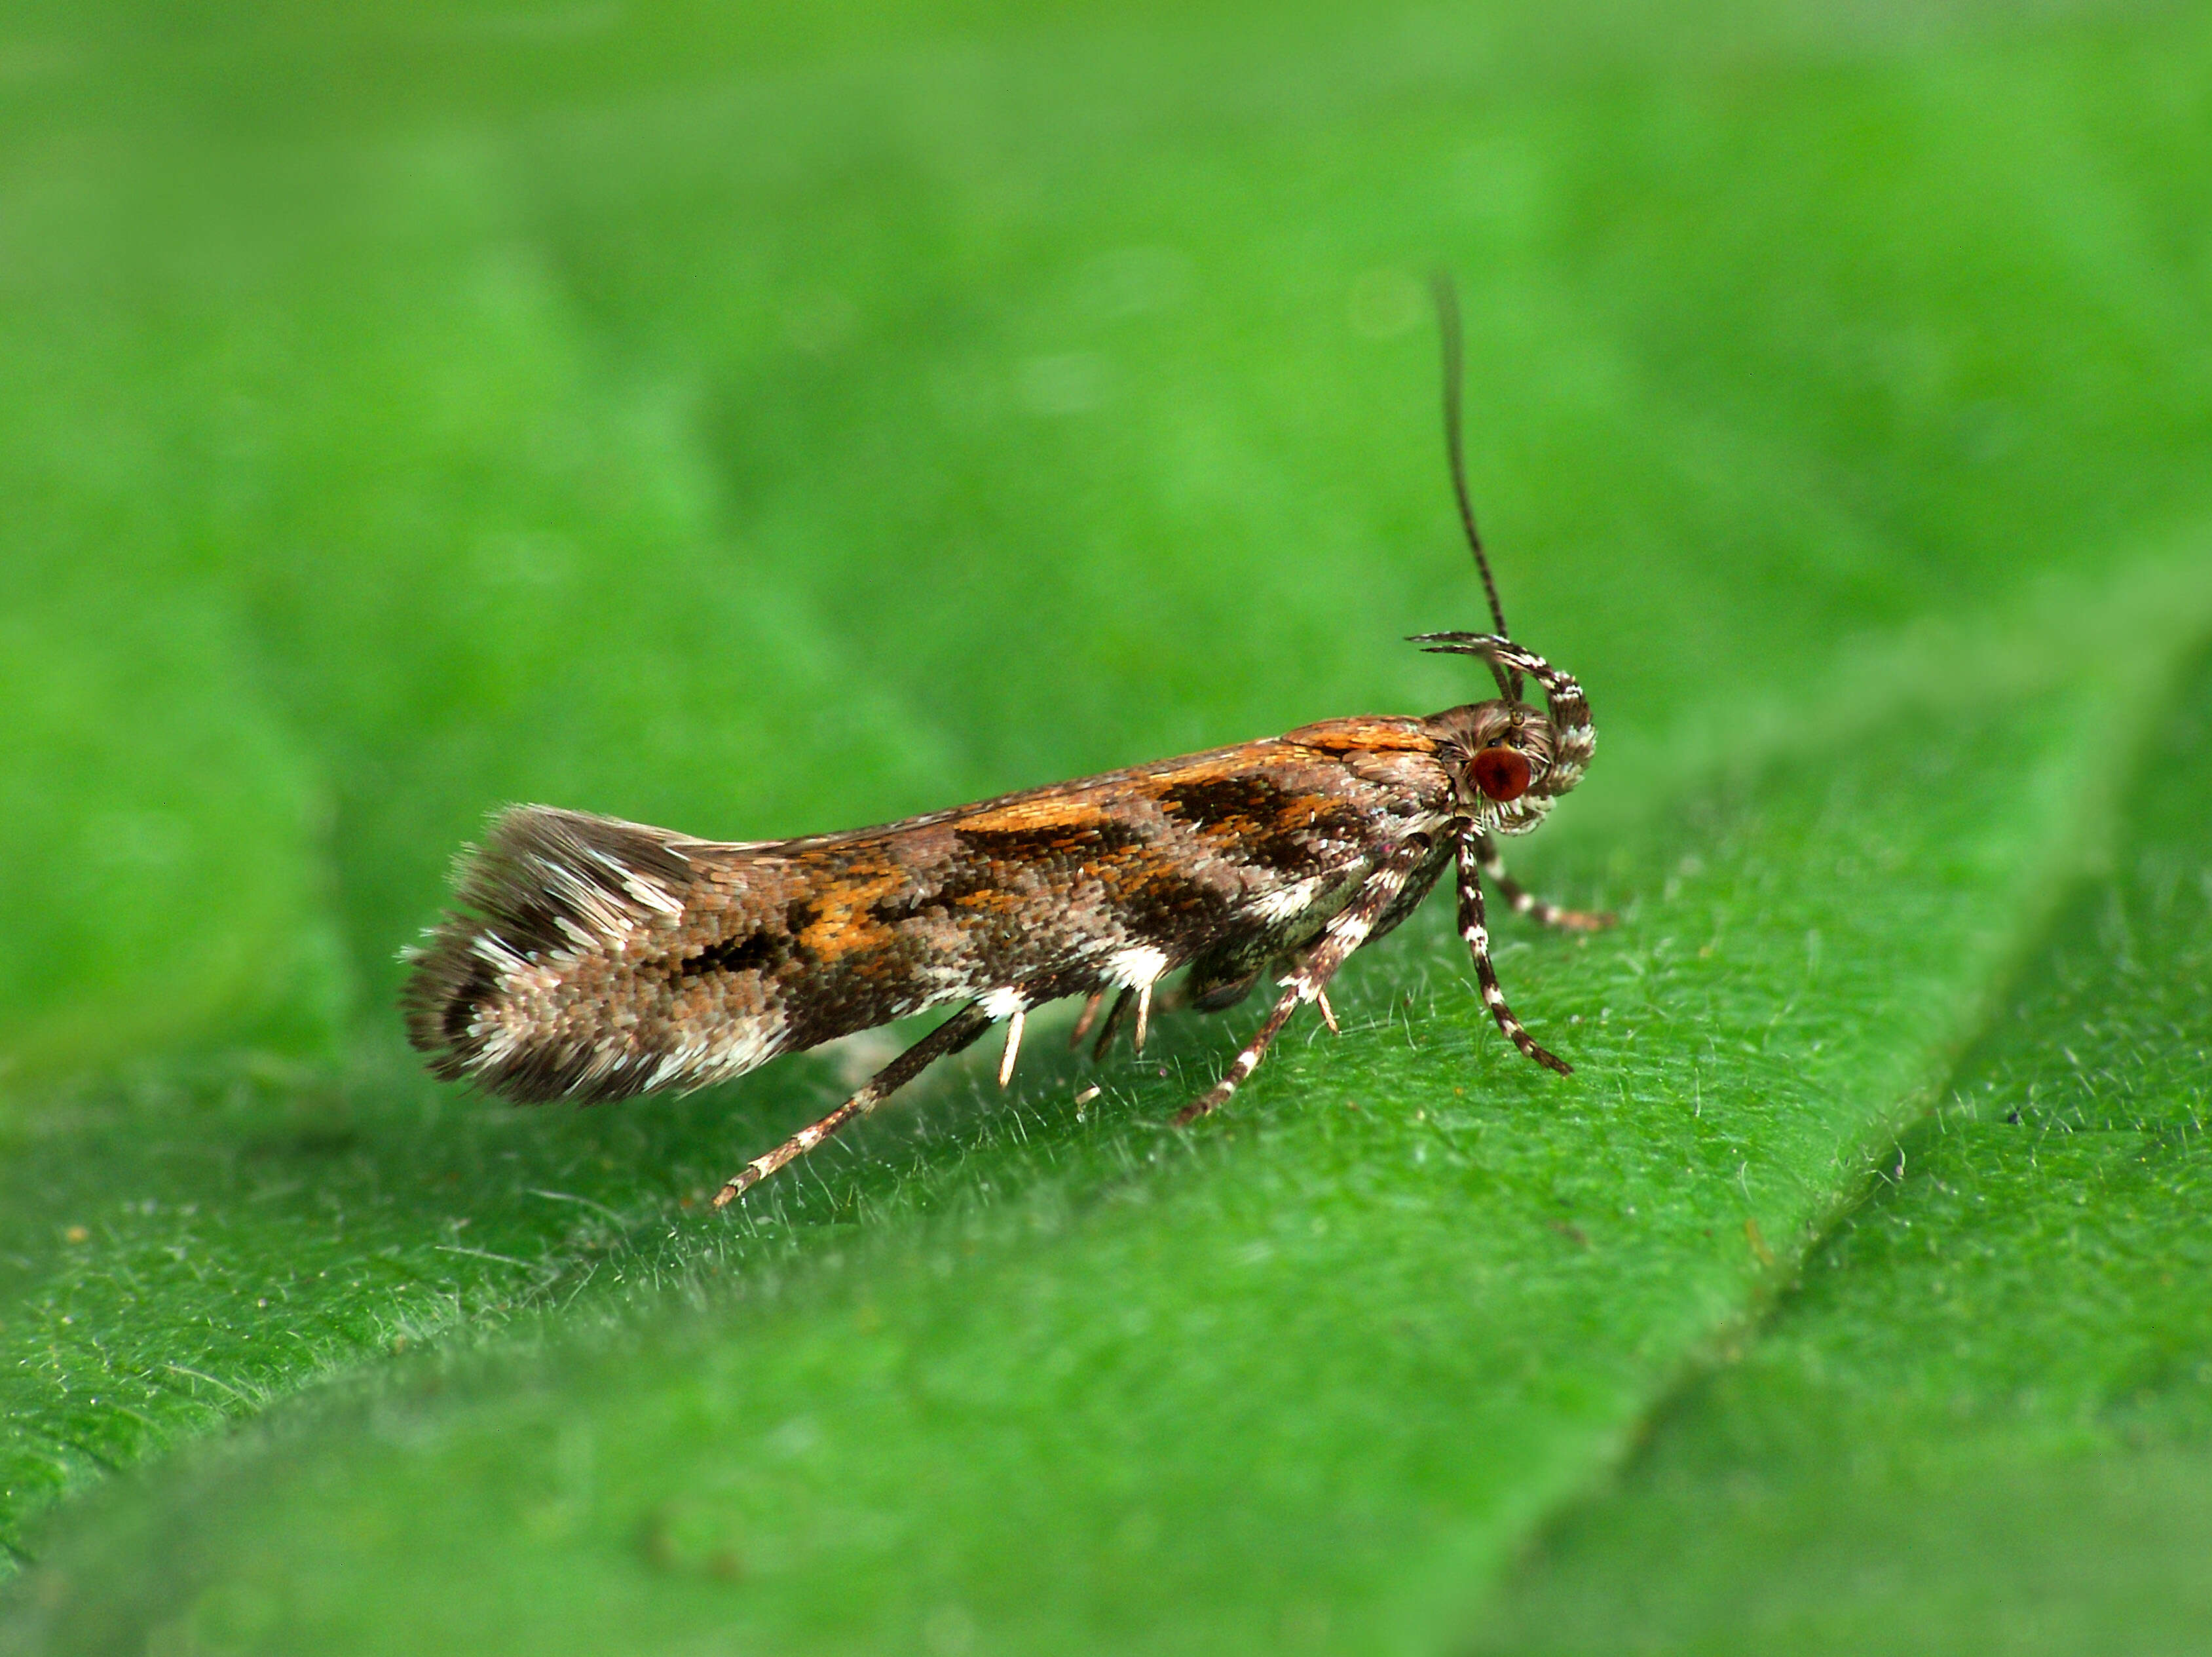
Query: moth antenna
[[1448, 331]]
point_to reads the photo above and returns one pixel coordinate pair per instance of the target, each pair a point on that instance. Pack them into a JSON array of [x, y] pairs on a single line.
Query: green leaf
[[767, 425], [1981, 1422]]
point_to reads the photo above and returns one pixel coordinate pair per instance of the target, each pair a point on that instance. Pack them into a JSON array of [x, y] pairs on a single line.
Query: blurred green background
[[769, 420]]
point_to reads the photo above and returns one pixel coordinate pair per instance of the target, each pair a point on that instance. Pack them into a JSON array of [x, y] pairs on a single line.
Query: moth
[[593, 958]]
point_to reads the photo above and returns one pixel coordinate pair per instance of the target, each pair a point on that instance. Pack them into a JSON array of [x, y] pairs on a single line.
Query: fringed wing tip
[[544, 881]]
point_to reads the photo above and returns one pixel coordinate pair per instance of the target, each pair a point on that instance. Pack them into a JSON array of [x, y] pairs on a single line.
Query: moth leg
[[1248, 1060], [1522, 901], [1141, 994], [1015, 1024], [1088, 1017], [950, 1037], [1310, 980], [1471, 927], [1113, 1024]]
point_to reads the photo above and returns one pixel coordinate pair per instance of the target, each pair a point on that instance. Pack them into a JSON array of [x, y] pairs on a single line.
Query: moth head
[[1509, 760]]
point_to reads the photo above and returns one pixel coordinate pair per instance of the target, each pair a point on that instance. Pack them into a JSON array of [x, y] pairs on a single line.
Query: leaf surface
[[766, 428], [1981, 1423]]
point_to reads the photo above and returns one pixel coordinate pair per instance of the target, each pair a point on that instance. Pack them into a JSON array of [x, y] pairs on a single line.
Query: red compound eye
[[1502, 773]]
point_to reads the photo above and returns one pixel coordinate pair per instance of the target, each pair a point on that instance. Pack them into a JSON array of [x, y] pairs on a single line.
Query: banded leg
[[1471, 927], [950, 1037], [1310, 980], [1248, 1060], [1524, 902]]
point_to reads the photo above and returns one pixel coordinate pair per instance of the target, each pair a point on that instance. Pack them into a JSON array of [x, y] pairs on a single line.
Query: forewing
[[599, 959]]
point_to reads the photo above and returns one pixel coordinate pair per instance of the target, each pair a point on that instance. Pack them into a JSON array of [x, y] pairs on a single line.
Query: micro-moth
[[593, 958]]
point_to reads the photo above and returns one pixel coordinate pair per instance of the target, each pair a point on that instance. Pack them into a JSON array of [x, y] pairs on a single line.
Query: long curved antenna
[[1447, 299], [1566, 707]]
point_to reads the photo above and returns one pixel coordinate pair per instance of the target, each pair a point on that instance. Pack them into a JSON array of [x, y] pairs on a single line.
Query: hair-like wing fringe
[[544, 880]]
